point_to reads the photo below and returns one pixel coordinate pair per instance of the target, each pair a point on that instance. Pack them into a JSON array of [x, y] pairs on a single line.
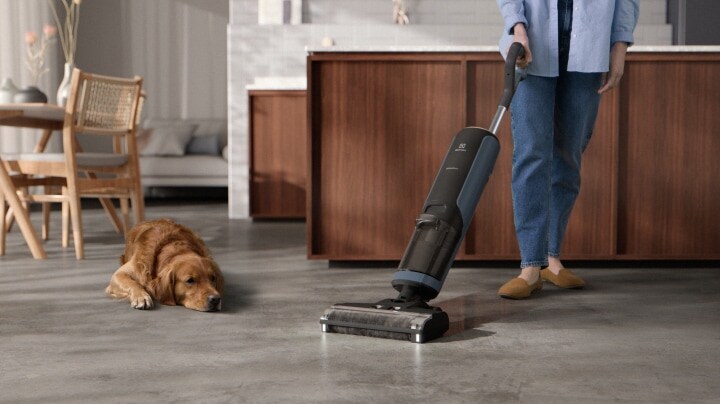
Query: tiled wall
[[472, 12], [279, 50]]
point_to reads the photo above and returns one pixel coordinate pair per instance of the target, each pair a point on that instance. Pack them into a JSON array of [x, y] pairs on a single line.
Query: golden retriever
[[167, 262]]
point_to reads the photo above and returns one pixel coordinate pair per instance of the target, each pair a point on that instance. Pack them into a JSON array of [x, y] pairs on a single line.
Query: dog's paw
[[141, 302]]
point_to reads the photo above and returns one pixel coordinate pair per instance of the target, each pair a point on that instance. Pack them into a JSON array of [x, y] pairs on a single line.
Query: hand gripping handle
[[516, 51]]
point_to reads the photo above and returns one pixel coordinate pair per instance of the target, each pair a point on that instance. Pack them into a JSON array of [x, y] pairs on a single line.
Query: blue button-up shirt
[[596, 25]]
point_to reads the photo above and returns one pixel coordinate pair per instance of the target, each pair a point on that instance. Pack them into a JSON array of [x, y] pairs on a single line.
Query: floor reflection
[[469, 312]]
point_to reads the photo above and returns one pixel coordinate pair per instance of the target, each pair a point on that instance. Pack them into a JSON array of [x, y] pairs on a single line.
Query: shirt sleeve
[[624, 21], [513, 12]]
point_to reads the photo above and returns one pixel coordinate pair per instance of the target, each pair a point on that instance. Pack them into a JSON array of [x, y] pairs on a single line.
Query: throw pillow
[[203, 145], [165, 140]]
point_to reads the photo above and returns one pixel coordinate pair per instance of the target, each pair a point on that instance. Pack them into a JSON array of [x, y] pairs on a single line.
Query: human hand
[[612, 78], [520, 35]]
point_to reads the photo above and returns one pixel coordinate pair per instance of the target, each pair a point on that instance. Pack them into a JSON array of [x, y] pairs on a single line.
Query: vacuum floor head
[[416, 322]]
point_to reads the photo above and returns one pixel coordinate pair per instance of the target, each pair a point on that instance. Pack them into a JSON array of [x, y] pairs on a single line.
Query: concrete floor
[[637, 334]]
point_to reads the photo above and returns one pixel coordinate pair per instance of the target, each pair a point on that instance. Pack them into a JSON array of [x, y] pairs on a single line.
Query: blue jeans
[[552, 120]]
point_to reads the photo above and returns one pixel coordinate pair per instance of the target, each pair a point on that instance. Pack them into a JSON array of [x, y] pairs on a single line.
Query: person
[[574, 53]]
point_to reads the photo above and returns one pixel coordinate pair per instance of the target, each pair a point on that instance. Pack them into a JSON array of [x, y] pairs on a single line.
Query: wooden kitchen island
[[380, 122]]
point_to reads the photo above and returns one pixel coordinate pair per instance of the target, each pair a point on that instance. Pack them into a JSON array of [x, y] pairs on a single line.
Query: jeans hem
[[541, 264]]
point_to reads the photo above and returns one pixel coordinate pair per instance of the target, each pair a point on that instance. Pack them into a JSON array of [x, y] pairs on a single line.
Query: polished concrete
[[637, 334]]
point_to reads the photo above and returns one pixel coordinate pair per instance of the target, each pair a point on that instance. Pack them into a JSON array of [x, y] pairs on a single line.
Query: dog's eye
[[190, 281], [212, 278]]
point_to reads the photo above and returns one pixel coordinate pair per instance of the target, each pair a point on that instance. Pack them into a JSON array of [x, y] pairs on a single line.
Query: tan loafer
[[518, 288], [564, 279]]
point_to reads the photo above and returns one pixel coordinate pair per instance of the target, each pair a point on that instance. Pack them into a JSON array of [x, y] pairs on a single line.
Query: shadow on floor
[[469, 312]]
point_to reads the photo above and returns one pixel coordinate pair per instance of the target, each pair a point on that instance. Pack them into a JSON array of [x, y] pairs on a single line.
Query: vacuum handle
[[516, 51]]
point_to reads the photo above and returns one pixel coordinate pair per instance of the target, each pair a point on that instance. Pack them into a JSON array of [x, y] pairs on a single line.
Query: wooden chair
[[119, 226], [100, 106]]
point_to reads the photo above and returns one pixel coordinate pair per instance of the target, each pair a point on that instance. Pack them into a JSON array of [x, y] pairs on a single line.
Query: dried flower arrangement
[[36, 50], [68, 30]]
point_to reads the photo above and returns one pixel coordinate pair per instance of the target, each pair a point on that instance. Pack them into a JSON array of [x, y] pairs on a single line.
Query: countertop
[[462, 49], [278, 83], [299, 83]]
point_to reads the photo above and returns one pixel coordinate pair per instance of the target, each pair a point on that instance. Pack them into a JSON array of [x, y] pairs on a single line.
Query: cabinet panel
[[491, 234], [379, 132], [669, 197], [278, 160], [380, 124]]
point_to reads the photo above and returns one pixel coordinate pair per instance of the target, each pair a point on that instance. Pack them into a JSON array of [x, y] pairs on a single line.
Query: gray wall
[[178, 46], [695, 22]]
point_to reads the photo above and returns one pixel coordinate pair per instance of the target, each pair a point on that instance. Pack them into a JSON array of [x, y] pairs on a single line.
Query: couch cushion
[[165, 139], [186, 166], [217, 127]]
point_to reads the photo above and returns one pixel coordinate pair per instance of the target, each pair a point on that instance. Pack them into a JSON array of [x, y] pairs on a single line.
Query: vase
[[29, 95], [64, 88], [8, 91]]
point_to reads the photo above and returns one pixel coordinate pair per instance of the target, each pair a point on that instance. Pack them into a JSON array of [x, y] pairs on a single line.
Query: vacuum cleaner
[[439, 231]]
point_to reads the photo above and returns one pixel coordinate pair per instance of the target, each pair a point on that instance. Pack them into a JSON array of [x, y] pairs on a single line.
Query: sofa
[[183, 153]]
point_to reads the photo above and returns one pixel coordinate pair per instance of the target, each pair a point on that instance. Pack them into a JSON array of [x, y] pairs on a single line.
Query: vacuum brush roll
[[382, 321]]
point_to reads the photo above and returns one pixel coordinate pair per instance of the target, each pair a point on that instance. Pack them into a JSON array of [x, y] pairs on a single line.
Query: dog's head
[[191, 281]]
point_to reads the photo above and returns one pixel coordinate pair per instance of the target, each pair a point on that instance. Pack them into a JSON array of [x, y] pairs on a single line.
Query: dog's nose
[[213, 302]]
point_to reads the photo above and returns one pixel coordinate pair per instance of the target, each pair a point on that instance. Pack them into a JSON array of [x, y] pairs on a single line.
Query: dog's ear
[[219, 279], [164, 289]]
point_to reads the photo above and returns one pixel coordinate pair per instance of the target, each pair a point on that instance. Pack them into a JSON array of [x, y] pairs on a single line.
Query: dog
[[168, 263]]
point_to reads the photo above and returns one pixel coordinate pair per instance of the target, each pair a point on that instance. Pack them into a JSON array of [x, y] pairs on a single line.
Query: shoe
[[518, 288], [564, 279]]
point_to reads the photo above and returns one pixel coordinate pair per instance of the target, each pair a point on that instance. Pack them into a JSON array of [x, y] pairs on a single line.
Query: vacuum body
[[439, 230], [446, 214]]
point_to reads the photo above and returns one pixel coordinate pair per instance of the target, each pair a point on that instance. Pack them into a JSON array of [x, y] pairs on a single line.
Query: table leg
[[28, 232]]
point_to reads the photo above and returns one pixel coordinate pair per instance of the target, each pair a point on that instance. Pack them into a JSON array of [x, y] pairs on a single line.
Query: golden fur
[[167, 262]]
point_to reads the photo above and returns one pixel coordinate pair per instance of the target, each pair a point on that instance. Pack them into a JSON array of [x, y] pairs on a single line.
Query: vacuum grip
[[516, 51]]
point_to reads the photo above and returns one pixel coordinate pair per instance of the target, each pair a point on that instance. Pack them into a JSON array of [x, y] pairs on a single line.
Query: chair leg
[[111, 213], [138, 202], [3, 231], [28, 232], [10, 215], [46, 221], [65, 217], [76, 219], [125, 208], [8, 219], [46, 209]]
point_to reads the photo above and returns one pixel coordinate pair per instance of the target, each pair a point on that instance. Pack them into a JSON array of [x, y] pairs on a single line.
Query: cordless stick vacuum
[[439, 230]]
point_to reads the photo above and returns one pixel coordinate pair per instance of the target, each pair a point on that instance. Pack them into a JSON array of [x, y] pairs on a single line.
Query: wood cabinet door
[[669, 166], [278, 154], [380, 130]]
